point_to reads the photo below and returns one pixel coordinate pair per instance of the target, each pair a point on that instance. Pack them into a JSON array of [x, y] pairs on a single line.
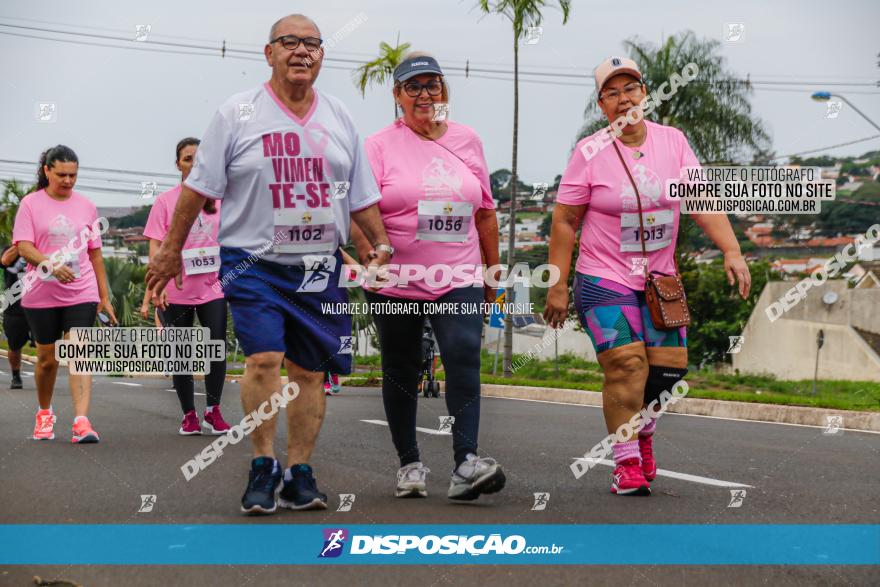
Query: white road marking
[[128, 384], [27, 373], [419, 428], [541, 401], [172, 390], [674, 475]]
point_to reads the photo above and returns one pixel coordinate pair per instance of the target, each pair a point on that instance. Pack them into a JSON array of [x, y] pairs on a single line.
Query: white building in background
[[786, 347], [112, 252]]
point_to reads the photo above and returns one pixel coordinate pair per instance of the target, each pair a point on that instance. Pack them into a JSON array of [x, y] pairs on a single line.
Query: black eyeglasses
[[414, 89], [291, 42], [631, 89]]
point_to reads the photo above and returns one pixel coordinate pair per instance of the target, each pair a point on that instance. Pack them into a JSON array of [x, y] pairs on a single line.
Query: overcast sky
[[126, 109]]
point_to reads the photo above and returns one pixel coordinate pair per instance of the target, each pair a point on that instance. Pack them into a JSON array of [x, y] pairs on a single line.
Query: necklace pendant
[[638, 154]]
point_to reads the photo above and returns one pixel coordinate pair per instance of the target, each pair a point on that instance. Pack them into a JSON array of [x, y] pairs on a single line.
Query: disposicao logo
[[334, 542]]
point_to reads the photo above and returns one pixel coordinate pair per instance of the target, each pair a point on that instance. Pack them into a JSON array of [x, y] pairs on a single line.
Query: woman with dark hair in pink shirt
[[58, 233]]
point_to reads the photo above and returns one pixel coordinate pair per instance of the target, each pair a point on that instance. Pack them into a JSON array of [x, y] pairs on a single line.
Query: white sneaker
[[411, 480], [474, 476]]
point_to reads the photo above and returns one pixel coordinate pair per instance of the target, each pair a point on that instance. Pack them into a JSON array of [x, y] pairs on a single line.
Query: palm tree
[[126, 285], [522, 14], [380, 69], [713, 111]]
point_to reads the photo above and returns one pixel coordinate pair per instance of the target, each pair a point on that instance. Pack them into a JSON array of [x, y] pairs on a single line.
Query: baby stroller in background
[[427, 384], [331, 383]]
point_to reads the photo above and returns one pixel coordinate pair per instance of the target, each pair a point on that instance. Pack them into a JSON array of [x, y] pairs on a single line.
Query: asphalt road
[[790, 474]]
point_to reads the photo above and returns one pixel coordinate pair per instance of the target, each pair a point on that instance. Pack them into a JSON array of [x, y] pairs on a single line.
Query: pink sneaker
[[190, 424], [646, 449], [629, 479], [83, 433], [327, 387], [44, 428], [214, 422]]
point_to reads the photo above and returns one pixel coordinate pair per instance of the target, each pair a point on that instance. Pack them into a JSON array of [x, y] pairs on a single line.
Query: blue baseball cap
[[416, 66]]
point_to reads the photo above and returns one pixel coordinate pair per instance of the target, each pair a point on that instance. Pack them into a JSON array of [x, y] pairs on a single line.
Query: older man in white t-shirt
[[279, 156]]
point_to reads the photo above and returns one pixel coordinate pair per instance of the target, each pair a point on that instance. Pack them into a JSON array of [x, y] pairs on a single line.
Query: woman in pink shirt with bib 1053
[[197, 293]]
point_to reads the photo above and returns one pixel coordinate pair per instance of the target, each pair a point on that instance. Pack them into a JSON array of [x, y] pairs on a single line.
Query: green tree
[[717, 311], [379, 70], [522, 14], [13, 192], [714, 110], [126, 284], [546, 223], [136, 218]]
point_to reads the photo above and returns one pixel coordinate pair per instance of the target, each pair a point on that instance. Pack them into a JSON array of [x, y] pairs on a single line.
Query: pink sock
[[623, 451], [649, 428]]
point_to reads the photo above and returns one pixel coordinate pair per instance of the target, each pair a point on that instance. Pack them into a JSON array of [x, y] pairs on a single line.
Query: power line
[[146, 49], [101, 169], [367, 56], [827, 148], [217, 49]]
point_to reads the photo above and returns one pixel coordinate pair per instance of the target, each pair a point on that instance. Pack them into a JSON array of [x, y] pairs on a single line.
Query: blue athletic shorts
[[270, 315]]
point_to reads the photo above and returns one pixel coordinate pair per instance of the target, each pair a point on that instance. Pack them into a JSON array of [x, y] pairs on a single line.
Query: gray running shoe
[[411, 480], [475, 476]]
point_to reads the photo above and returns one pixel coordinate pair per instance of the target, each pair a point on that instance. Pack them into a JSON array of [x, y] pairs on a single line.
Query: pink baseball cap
[[613, 66]]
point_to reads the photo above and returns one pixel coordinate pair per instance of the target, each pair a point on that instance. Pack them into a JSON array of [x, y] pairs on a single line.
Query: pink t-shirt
[[429, 201], [53, 225], [201, 251], [609, 245]]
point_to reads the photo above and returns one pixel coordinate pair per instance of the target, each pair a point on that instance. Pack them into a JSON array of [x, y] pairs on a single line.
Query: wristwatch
[[383, 247]]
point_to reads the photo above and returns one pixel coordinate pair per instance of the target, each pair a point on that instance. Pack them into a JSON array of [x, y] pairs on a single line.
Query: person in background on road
[[331, 380], [198, 293], [15, 325], [596, 196], [274, 164], [53, 219], [430, 169]]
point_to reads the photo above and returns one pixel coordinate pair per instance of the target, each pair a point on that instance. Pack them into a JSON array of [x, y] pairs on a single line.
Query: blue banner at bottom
[[516, 544]]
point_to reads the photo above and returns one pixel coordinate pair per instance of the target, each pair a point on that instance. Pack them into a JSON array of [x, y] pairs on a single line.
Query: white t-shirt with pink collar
[[609, 246], [288, 184], [431, 192], [54, 225], [201, 251]]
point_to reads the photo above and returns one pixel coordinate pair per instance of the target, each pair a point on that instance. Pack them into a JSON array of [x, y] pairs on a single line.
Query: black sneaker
[[301, 492], [16, 382], [263, 486]]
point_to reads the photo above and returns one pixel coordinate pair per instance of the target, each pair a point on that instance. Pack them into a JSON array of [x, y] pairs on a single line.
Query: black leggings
[[213, 316], [458, 336]]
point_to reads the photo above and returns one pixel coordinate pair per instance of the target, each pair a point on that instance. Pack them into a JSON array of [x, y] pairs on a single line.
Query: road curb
[[780, 414], [852, 420]]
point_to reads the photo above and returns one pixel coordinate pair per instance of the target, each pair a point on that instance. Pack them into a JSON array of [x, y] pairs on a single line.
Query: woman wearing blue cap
[[439, 214]]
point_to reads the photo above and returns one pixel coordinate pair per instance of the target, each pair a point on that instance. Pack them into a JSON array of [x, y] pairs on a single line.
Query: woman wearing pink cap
[[438, 211], [199, 292], [610, 189], [58, 232]]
